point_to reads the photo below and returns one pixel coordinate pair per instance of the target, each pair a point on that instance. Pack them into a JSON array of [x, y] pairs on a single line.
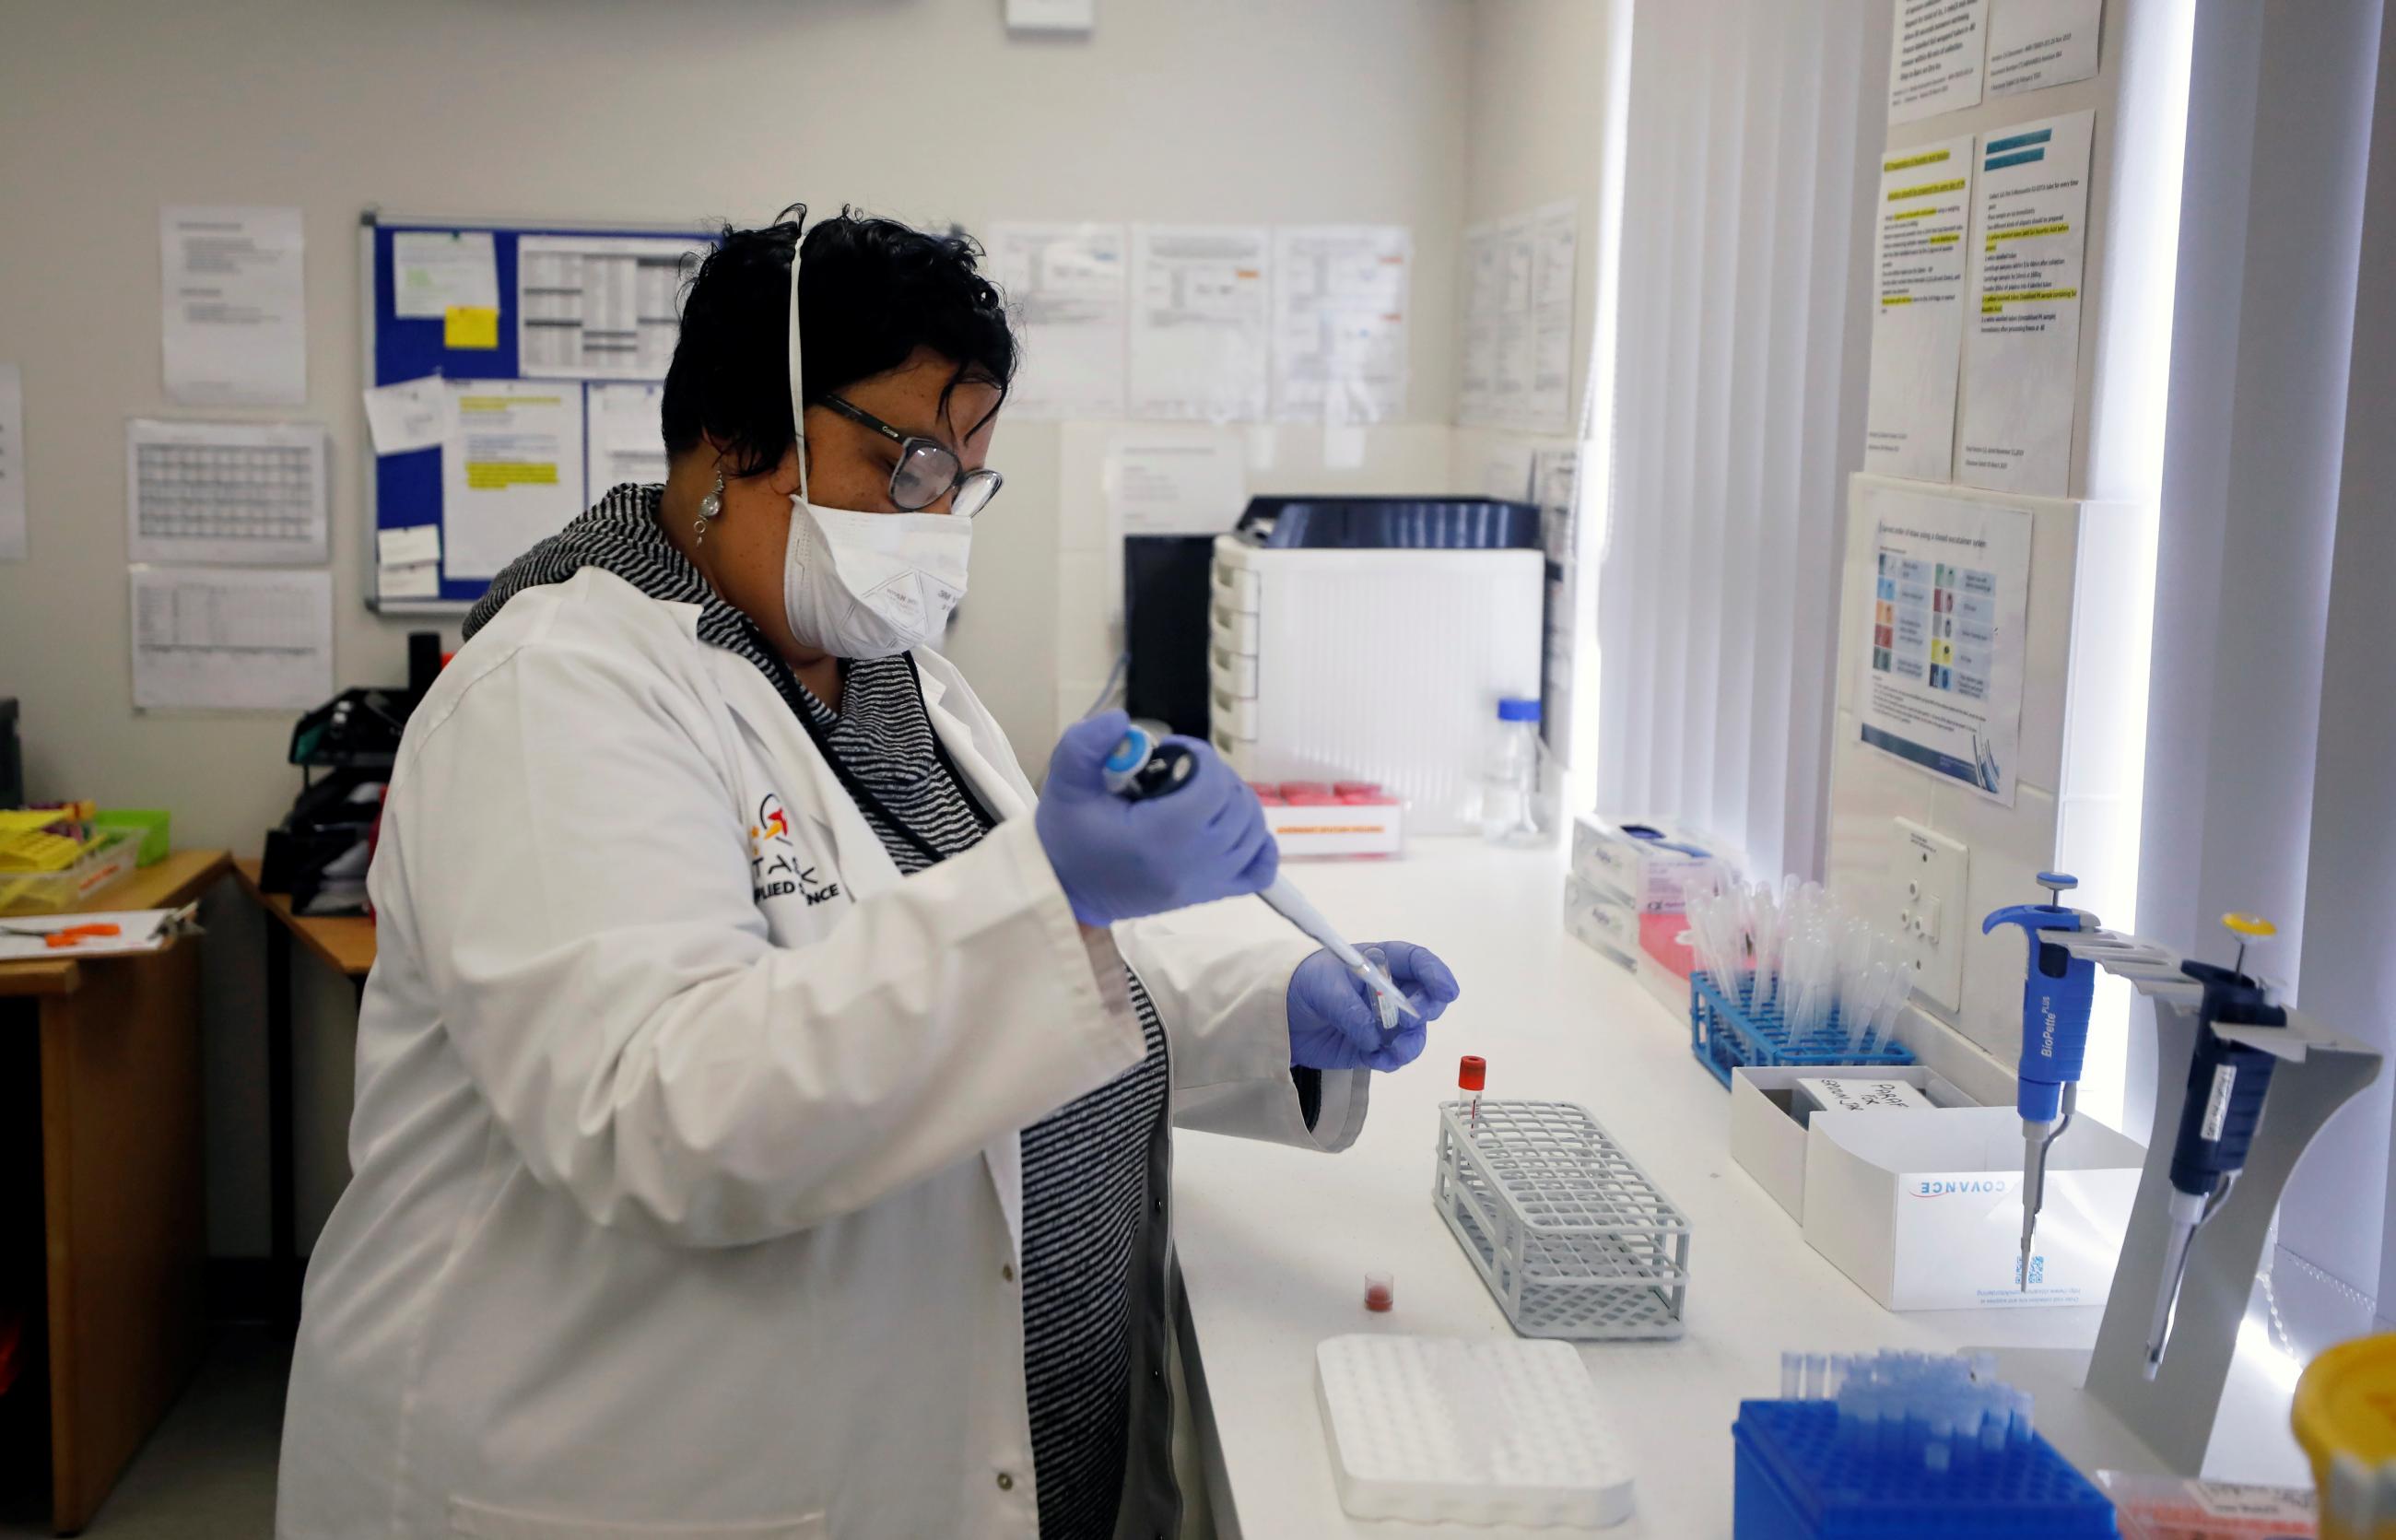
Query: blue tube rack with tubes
[[1903, 1444], [1725, 1034]]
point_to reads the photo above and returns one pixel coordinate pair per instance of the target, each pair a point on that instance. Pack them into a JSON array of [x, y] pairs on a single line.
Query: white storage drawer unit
[[1371, 665]]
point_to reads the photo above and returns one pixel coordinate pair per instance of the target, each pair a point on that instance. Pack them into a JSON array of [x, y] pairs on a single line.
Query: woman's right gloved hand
[[1119, 859]]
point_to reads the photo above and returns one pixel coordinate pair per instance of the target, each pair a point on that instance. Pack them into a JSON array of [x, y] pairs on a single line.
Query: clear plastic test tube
[[1382, 997], [1938, 1448], [1967, 1432]]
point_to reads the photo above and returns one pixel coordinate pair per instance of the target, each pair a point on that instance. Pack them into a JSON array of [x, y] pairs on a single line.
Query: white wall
[[1234, 110], [1540, 111], [1549, 84], [2080, 756]]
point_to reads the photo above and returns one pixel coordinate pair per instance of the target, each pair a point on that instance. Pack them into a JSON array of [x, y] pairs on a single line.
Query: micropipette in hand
[[2057, 991], [2227, 1083], [1143, 765], [1293, 907]]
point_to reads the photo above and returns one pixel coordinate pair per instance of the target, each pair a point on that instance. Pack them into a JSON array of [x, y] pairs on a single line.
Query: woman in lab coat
[[759, 1133]]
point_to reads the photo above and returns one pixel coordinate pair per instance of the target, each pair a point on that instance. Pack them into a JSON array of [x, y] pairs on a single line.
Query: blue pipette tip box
[[1795, 1482], [1725, 1034]]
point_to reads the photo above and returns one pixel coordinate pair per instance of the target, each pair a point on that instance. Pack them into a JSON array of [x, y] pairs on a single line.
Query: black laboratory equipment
[[319, 854]]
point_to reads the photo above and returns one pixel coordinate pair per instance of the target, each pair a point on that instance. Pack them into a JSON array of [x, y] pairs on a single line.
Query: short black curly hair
[[872, 291]]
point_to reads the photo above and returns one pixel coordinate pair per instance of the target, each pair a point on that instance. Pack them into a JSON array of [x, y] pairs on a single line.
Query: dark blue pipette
[[2227, 1083]]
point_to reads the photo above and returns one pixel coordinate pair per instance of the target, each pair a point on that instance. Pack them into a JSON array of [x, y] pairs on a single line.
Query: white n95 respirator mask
[[864, 585], [871, 585]]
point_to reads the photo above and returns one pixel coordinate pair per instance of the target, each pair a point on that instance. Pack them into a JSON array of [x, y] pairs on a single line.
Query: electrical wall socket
[[1925, 901]]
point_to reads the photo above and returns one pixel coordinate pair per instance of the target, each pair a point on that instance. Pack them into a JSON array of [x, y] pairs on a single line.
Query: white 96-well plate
[[1441, 1431]]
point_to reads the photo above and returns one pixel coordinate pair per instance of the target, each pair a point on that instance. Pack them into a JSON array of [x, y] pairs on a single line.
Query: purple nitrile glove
[[1117, 858], [1335, 1020]]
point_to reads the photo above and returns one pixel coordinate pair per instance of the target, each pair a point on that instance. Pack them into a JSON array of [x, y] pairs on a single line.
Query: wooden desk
[[102, 1056], [346, 943]]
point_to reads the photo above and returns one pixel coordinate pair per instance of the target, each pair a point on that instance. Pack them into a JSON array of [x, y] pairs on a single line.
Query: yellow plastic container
[[2346, 1405], [111, 854]]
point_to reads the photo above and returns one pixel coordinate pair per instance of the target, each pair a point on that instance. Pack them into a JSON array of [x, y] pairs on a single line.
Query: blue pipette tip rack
[[1795, 1481], [1725, 1033]]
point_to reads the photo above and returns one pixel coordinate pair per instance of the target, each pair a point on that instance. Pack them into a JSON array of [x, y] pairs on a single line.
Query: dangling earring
[[710, 506]]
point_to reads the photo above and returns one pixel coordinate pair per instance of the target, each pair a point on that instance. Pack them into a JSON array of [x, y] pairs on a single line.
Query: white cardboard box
[[1767, 1136], [1642, 873], [1924, 1209], [1601, 920]]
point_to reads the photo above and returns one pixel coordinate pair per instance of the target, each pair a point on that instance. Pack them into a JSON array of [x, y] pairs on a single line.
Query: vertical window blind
[[1742, 345]]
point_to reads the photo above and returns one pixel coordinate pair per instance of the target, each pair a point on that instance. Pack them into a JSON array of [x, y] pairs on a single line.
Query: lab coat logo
[[776, 869]]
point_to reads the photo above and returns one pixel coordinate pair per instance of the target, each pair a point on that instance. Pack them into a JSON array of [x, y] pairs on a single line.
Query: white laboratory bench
[[1274, 1242]]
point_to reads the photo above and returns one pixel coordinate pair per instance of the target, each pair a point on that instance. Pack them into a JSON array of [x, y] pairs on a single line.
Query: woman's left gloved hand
[[1335, 1022]]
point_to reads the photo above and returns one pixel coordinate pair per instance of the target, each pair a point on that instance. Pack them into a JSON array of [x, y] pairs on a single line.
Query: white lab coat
[[688, 1192]]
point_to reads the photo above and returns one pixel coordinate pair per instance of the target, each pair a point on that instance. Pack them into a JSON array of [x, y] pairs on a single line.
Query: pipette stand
[[2171, 1418]]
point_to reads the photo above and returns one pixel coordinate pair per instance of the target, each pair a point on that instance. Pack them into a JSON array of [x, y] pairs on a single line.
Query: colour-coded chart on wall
[[1942, 678], [1936, 624]]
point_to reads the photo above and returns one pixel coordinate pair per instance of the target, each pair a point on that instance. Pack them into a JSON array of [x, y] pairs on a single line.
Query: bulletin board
[[405, 490]]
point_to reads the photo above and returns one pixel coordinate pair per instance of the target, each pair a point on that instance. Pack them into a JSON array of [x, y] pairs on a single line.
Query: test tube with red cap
[[1471, 1075]]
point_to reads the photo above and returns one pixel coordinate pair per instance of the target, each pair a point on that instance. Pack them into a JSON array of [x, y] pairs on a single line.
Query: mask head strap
[[798, 369]]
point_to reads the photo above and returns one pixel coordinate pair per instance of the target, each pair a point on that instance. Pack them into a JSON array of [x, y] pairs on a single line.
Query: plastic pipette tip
[[1392, 999]]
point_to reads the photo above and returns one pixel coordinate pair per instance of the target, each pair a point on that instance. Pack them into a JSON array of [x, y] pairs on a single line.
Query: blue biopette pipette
[[2057, 989], [1144, 765]]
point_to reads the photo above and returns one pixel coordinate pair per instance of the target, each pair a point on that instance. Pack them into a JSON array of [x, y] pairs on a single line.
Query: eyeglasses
[[927, 469]]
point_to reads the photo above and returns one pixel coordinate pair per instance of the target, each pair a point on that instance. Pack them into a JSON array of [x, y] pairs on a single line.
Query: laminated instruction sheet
[[624, 440], [1202, 322], [1519, 282], [1924, 212], [2035, 43], [235, 329], [1935, 57], [1942, 673], [230, 638], [1484, 288], [1339, 323], [1069, 286], [435, 272], [511, 470], [2021, 351], [225, 492], [590, 307]]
